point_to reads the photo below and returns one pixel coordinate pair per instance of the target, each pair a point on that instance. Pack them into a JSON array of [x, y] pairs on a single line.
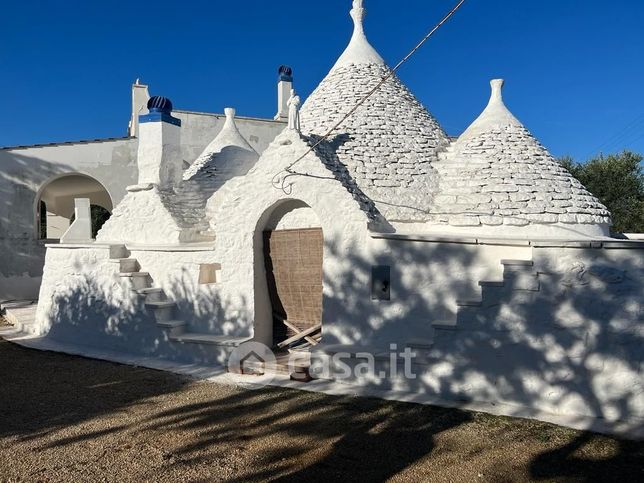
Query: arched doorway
[[293, 248], [54, 204]]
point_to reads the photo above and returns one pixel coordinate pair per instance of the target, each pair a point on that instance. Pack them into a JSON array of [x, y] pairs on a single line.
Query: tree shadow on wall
[[103, 312], [566, 342], [21, 176], [500, 352]]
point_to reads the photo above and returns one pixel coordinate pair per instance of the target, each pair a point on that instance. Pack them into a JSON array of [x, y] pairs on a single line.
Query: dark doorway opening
[[293, 261]]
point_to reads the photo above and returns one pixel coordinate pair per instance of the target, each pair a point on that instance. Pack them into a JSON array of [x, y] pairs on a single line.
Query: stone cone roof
[[389, 143], [227, 153], [227, 156], [497, 173]]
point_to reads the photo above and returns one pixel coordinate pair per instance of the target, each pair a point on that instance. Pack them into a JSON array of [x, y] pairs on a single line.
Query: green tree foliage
[[99, 216], [618, 181]]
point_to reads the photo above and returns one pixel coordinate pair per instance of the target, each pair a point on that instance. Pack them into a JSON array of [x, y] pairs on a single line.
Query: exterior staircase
[[520, 285], [21, 314], [161, 307]]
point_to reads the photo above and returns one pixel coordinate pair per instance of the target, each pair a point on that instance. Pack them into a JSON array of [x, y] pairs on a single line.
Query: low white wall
[[562, 337], [83, 301], [208, 308]]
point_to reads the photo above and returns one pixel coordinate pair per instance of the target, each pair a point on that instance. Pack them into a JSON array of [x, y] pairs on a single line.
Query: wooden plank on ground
[[299, 336], [297, 330]]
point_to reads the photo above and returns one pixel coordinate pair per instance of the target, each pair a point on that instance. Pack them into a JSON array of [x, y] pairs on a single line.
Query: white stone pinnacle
[[496, 114], [229, 136], [359, 50]]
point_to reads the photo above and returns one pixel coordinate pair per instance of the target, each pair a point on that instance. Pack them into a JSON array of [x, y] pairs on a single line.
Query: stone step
[[160, 304], [209, 339], [469, 303], [492, 283], [517, 263], [444, 325], [126, 265], [22, 315], [174, 327], [119, 251], [423, 344], [163, 311], [152, 294], [138, 280], [134, 274]]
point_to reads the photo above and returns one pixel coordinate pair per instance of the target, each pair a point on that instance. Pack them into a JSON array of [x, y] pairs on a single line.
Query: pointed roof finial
[[358, 13], [359, 50], [495, 114], [497, 90]]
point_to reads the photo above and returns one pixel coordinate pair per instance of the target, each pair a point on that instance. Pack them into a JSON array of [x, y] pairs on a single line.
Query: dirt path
[[67, 418]]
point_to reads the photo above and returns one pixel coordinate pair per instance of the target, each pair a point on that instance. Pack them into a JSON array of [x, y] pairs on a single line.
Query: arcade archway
[[54, 204]]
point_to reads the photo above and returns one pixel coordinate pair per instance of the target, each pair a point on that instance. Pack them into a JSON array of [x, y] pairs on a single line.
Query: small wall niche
[[381, 282], [208, 273]]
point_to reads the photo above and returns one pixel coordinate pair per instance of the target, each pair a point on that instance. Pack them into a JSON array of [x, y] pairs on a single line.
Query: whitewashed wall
[[563, 337]]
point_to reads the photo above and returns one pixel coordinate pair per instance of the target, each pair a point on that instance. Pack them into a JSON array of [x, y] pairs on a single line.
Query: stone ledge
[[79, 245], [520, 242], [188, 247]]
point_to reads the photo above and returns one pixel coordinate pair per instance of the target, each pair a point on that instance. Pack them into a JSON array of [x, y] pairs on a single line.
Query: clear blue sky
[[574, 69]]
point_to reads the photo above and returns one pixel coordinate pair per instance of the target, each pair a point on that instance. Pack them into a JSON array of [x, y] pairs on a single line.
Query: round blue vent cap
[[285, 73], [160, 104]]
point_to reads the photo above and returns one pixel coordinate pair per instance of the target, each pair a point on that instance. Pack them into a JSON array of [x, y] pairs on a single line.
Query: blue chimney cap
[[160, 109], [160, 104], [285, 73]]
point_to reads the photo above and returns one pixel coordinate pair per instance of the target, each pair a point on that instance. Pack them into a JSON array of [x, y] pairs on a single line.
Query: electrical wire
[[289, 170]]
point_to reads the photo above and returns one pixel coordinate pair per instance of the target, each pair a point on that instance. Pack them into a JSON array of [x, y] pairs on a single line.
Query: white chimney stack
[[159, 156], [284, 86], [80, 231], [140, 98]]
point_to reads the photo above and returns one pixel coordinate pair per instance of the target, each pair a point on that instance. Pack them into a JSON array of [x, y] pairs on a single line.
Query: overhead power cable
[[633, 128], [392, 71]]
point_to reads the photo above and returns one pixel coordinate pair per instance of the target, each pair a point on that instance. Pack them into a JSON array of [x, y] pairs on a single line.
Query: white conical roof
[[497, 174], [228, 152], [389, 143], [227, 156]]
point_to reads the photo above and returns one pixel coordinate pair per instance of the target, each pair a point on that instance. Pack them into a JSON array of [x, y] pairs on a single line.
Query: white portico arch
[[54, 203]]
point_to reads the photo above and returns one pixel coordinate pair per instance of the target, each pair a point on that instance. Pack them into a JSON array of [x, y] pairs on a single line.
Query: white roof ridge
[[495, 114], [359, 50]]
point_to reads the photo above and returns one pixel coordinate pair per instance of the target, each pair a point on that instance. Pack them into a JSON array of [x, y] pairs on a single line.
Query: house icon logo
[[251, 358]]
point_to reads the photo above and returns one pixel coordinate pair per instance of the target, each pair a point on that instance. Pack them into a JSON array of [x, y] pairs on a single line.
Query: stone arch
[[56, 196], [291, 285]]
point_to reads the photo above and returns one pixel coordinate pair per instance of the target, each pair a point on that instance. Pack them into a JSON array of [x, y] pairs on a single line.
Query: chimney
[[140, 97], [159, 156], [80, 231], [284, 86]]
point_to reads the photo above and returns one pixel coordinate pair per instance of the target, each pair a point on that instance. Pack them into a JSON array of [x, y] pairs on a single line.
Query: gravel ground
[[66, 418]]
